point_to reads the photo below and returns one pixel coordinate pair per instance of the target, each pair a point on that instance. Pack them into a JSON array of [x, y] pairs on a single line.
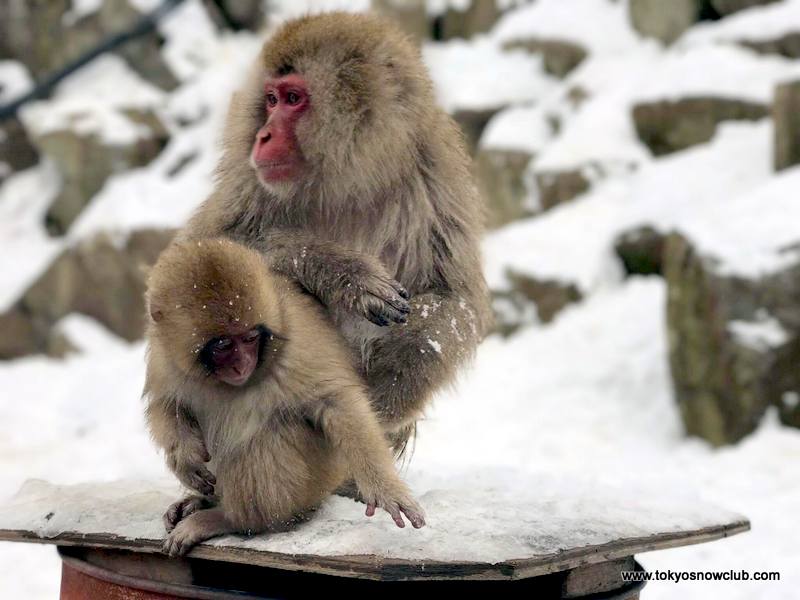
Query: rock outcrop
[[671, 125], [786, 116], [503, 178], [101, 277], [734, 344], [529, 299]]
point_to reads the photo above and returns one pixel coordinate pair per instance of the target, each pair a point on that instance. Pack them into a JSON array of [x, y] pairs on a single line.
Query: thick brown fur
[[286, 440], [387, 197]]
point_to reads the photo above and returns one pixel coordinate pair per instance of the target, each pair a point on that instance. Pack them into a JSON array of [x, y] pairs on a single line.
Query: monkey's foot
[[183, 508], [197, 527]]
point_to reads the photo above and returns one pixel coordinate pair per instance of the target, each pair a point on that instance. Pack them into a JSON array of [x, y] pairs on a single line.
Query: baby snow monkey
[[265, 392]]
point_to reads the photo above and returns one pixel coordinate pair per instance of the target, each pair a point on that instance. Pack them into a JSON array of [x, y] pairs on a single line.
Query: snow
[[192, 44], [496, 78], [438, 7], [24, 199], [91, 101], [152, 197], [761, 334], [550, 414], [485, 515], [81, 9], [717, 71], [695, 192], [437, 347], [602, 26], [521, 128], [14, 80], [759, 23], [600, 128]]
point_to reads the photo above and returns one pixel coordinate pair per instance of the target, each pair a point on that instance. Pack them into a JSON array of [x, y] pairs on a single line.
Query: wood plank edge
[[394, 569]]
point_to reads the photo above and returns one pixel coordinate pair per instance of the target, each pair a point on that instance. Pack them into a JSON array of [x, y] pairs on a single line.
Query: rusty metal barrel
[[98, 573]]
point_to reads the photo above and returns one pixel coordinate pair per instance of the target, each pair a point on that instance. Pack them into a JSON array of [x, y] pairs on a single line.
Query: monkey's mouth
[[233, 377], [277, 170]]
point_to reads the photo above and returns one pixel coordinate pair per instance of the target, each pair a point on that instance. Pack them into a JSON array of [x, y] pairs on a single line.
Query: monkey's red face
[[233, 358], [276, 155]]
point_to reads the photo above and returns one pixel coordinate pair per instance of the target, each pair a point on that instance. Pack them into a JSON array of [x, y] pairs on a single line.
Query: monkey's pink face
[[233, 358], [276, 155]]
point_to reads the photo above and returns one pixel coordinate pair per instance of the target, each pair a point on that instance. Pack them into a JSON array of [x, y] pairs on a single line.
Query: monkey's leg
[[412, 361], [351, 427], [183, 508], [197, 527]]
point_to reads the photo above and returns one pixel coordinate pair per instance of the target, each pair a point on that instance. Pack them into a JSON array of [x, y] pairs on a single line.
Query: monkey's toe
[[177, 544]]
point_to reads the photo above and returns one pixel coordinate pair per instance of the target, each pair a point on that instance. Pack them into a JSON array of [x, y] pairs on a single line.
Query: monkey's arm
[[410, 362], [338, 277], [176, 430], [350, 426]]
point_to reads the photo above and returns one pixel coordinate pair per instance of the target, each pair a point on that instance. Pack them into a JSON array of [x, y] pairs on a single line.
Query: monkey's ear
[[155, 313]]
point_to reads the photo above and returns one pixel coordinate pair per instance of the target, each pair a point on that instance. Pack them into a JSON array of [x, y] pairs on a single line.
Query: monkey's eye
[[272, 99], [252, 336], [223, 344], [292, 98]]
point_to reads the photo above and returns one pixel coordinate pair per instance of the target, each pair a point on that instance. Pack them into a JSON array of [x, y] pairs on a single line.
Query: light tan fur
[[286, 440]]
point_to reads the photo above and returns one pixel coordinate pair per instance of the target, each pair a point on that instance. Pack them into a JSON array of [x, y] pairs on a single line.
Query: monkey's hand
[[367, 289], [395, 503], [187, 460], [343, 279]]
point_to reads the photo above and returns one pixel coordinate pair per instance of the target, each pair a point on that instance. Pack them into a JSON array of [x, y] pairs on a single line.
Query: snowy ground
[[585, 399]]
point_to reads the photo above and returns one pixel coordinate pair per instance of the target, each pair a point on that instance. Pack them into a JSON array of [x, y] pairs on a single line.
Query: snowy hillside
[[586, 398]]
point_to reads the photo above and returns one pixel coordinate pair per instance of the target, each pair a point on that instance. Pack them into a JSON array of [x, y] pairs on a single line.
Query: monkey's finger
[[370, 510], [387, 311], [202, 485], [204, 474], [172, 516], [401, 290], [377, 318], [394, 510], [394, 300], [415, 517]]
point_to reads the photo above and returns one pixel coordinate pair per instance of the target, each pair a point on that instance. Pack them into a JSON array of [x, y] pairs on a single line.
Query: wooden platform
[[492, 535]]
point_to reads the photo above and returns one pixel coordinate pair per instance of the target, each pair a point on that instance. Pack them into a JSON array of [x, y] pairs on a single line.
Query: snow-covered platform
[[574, 543]]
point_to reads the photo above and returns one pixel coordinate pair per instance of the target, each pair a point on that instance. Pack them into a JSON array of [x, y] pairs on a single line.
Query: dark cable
[[42, 89]]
